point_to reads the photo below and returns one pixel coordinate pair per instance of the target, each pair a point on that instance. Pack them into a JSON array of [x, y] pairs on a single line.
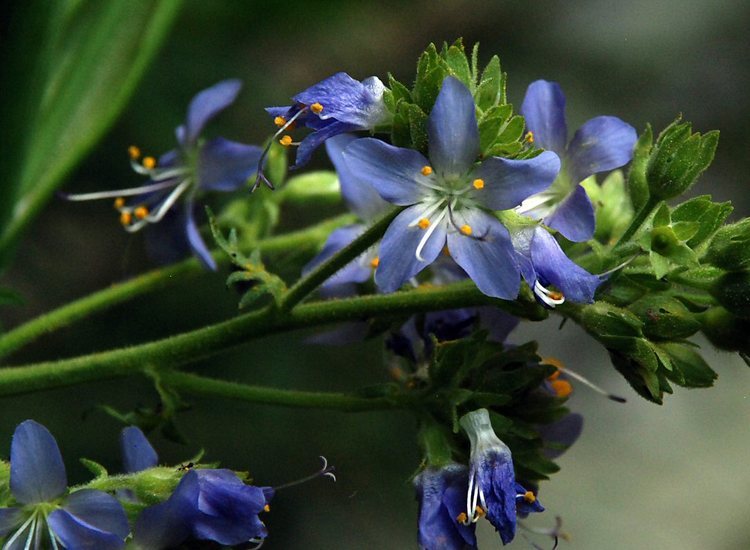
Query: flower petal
[[226, 165], [560, 435], [553, 266], [498, 323], [359, 195], [74, 533], [37, 472], [398, 260], [544, 110], [508, 182], [486, 255], [206, 105], [10, 519], [574, 217], [602, 143], [197, 245], [347, 100], [137, 452], [453, 134], [356, 271], [394, 172], [313, 140], [98, 509]]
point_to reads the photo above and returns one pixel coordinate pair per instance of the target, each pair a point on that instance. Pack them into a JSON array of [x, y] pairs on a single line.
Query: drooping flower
[[333, 106], [180, 175], [450, 197], [493, 492], [543, 263], [441, 493], [602, 143], [46, 516]]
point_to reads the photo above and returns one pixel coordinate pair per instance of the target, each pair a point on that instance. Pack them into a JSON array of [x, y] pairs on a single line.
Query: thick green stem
[[201, 385], [150, 282], [325, 270], [188, 347]]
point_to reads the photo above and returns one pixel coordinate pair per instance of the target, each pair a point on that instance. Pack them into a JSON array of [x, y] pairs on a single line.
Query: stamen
[[134, 152], [549, 297], [423, 223], [428, 234], [562, 388], [529, 138], [325, 471], [426, 170], [286, 141], [466, 229], [279, 121], [126, 218], [479, 513], [149, 163], [426, 213], [462, 518], [529, 497], [266, 508], [119, 203], [118, 193], [316, 108], [375, 262], [478, 183], [579, 377], [260, 177], [141, 212]]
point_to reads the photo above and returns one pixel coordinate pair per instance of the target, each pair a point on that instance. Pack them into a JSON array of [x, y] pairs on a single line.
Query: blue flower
[[449, 197], [180, 175], [333, 106], [137, 452], [441, 493], [46, 516], [543, 263], [493, 491], [602, 143]]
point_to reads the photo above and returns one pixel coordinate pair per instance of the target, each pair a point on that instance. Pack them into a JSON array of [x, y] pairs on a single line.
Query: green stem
[[201, 385], [188, 347], [325, 270], [150, 282]]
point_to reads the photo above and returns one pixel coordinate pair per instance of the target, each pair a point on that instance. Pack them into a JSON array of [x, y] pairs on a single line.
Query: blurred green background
[[641, 476]]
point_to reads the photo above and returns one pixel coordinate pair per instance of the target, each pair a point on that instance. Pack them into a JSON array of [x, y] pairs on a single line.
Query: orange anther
[[424, 223], [126, 218], [134, 152], [426, 170], [478, 183], [141, 212], [149, 163], [562, 388], [286, 141], [316, 108], [279, 121], [375, 262]]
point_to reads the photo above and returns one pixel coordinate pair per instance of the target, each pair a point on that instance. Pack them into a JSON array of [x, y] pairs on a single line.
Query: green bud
[[637, 184], [678, 158], [664, 317], [730, 246], [603, 320], [732, 290], [688, 368], [726, 331], [639, 366]]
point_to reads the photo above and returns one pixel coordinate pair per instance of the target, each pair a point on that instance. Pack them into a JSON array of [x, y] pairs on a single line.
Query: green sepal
[[613, 207], [641, 378], [490, 91], [458, 64], [399, 92], [637, 183], [94, 467], [601, 319], [665, 317], [431, 71], [708, 214], [436, 443], [730, 246], [689, 369]]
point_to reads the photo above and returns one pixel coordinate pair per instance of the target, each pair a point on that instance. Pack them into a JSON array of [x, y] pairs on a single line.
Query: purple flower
[[441, 493], [180, 175], [493, 491], [602, 143], [543, 263], [449, 197], [333, 106], [46, 516]]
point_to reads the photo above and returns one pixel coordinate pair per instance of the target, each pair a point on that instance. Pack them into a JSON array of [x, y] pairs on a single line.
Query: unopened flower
[[602, 143], [449, 197], [47, 517], [180, 175]]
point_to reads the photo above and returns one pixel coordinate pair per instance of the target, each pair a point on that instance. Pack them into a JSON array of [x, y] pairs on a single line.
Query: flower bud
[[730, 246], [732, 290], [665, 317], [725, 331]]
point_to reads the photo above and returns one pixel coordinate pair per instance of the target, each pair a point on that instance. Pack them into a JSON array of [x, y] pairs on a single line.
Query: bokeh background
[[641, 476]]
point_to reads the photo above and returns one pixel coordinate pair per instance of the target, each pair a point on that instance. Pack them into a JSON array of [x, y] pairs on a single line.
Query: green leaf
[[689, 368], [709, 215], [458, 64], [399, 91], [637, 183], [94, 54], [417, 127], [431, 71], [94, 467], [491, 89]]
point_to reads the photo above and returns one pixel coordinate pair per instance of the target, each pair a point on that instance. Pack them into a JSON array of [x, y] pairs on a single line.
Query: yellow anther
[[134, 152], [529, 138], [126, 218], [424, 223], [375, 262], [426, 170], [149, 163], [562, 388], [286, 141], [141, 212], [479, 512], [466, 229], [462, 517], [556, 295], [119, 203], [529, 497], [266, 508], [279, 121], [316, 108], [478, 183]]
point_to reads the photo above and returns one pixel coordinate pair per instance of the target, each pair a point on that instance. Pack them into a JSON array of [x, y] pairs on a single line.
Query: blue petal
[[74, 533], [560, 435], [197, 245], [497, 480], [170, 159], [346, 100], [524, 508], [137, 452], [553, 266], [167, 524], [544, 110], [574, 217], [394, 172], [508, 182], [10, 519], [313, 140], [398, 261], [356, 271], [498, 323], [99, 510], [359, 195], [37, 472], [226, 165], [206, 105], [602, 143], [486, 255], [452, 131]]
